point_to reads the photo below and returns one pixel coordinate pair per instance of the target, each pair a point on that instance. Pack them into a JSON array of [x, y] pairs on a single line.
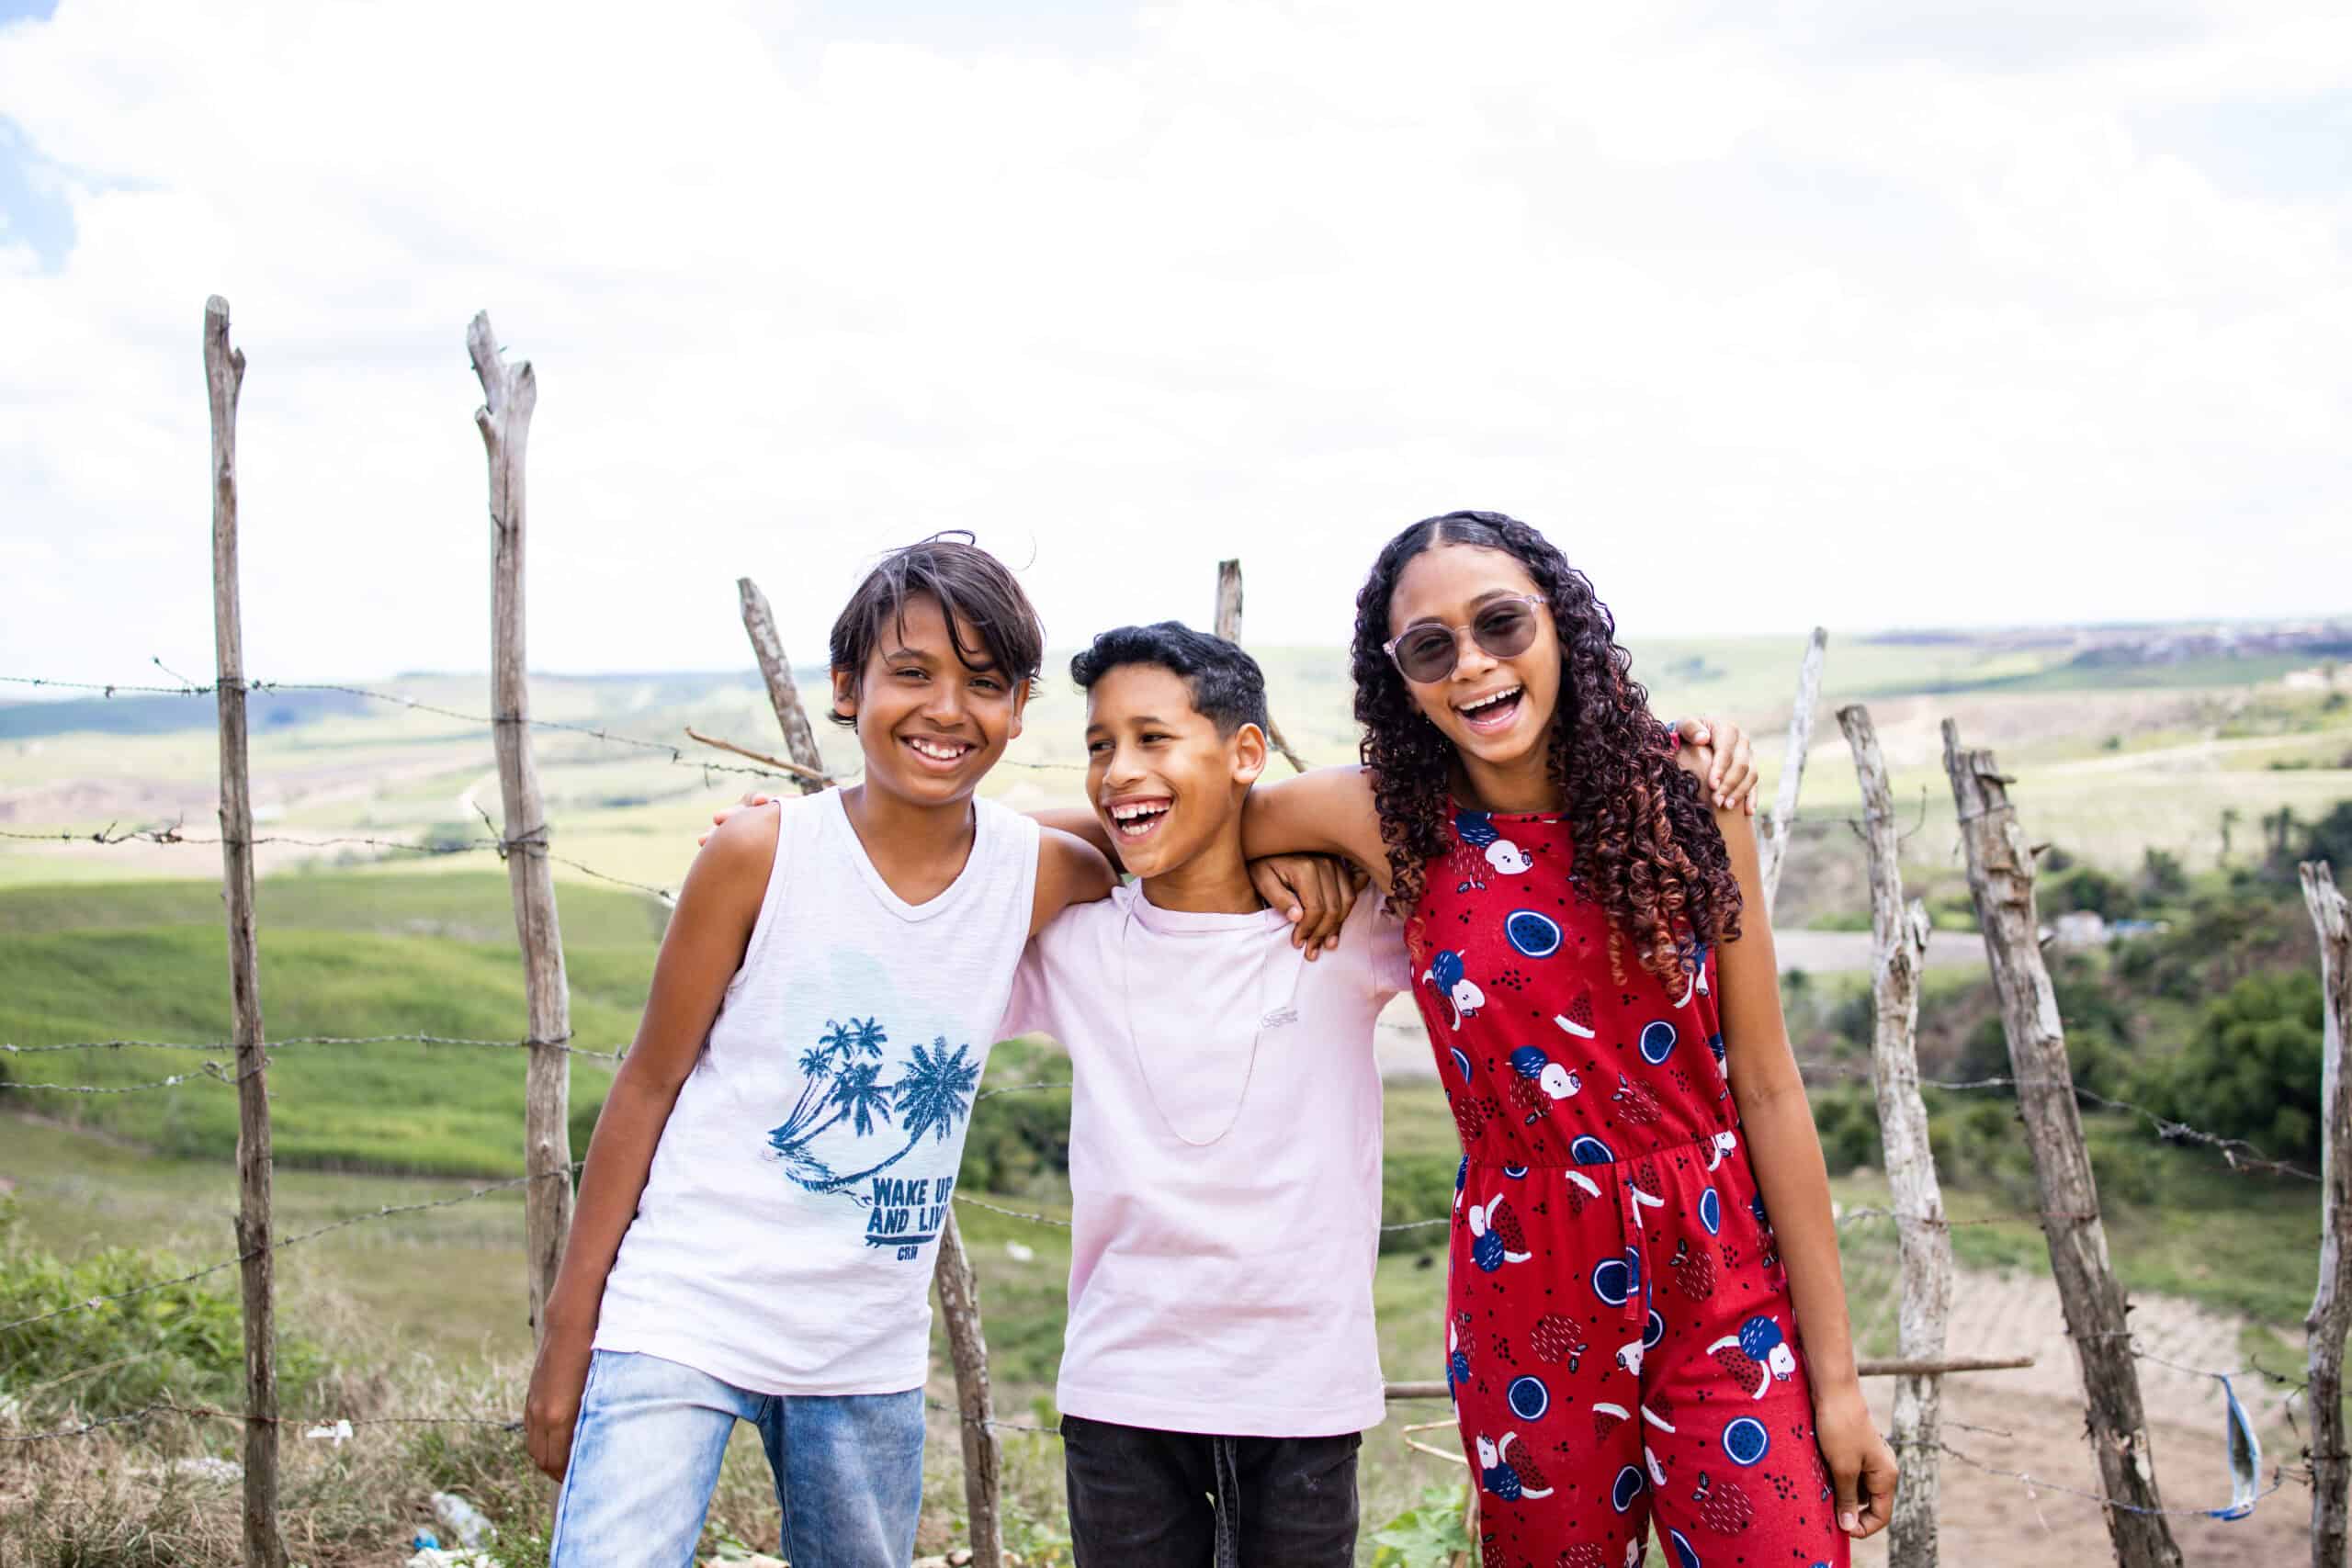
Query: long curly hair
[[1647, 848]]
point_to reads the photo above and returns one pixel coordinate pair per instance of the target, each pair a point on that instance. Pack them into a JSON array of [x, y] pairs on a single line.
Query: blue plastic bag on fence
[[2245, 1455]]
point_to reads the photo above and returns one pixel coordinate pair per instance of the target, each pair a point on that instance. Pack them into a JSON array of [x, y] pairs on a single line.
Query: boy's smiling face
[[1164, 783], [930, 724]]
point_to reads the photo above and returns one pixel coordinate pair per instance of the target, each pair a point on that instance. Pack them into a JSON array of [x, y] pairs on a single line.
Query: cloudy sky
[[1842, 310]]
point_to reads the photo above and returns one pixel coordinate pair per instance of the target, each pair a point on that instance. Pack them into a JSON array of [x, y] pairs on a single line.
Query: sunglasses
[[1428, 652]]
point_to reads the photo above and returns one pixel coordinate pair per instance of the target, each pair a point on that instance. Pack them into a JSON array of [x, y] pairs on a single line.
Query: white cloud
[[1944, 294]]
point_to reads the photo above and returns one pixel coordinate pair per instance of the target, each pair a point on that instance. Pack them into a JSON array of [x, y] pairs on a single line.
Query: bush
[[2162, 875], [2251, 1068], [1847, 1117], [183, 1342], [2088, 888]]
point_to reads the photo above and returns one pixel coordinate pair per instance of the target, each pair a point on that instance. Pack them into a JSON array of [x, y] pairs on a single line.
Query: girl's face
[[1496, 711]]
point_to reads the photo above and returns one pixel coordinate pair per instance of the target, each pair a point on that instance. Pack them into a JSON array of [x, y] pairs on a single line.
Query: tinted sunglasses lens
[[1506, 630], [1426, 654]]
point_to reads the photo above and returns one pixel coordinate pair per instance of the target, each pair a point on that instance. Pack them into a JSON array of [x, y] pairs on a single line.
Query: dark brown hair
[[1645, 845], [973, 590]]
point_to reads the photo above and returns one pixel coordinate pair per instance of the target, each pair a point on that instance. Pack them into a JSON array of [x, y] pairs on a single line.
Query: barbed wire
[[2031, 1481], [387, 1211], [675, 752], [212, 1072], [614, 1054], [109, 835], [2237, 1153]]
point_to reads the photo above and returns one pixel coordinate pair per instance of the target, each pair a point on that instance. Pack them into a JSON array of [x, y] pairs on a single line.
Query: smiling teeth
[[938, 752], [1484, 703], [1135, 819]]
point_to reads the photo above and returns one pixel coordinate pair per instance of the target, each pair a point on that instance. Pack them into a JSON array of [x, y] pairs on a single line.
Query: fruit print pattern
[[1615, 1301]]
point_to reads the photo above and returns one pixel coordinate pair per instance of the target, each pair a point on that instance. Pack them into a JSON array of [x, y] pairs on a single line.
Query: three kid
[[1225, 1133]]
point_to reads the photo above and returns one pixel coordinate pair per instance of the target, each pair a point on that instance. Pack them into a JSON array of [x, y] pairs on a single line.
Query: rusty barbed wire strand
[[614, 1055]]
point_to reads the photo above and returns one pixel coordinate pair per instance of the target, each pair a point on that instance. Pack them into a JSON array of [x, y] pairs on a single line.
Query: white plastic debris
[[438, 1557], [1019, 1253], [340, 1432], [467, 1525]]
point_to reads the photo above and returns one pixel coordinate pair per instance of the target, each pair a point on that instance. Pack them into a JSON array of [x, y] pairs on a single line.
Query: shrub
[[182, 1342], [2251, 1068], [1847, 1117]]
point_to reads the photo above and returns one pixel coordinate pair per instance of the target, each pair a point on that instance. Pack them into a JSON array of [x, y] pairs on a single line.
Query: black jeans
[[1142, 1498]]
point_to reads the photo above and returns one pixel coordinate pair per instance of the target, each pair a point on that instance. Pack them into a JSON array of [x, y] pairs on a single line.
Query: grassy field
[[124, 942]]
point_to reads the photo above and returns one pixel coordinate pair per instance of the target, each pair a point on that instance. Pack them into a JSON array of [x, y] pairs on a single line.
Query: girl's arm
[[1785, 1153], [712, 926]]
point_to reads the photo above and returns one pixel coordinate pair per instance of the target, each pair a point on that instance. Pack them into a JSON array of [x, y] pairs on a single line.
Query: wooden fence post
[[509, 394], [1899, 940], [759, 622], [1228, 626], [224, 376], [959, 1301], [2000, 876], [2331, 1312], [1774, 846]]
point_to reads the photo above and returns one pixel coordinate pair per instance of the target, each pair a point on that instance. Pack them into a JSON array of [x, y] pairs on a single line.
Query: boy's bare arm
[[716, 909], [1070, 870]]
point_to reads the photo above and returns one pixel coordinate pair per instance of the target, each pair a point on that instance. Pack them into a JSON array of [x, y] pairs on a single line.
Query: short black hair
[[975, 591], [1228, 689]]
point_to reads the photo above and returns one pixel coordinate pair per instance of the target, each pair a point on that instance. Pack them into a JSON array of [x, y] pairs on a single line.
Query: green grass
[[342, 955]]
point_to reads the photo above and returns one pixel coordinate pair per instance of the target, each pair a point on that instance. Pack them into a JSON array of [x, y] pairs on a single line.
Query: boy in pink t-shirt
[[1220, 1362]]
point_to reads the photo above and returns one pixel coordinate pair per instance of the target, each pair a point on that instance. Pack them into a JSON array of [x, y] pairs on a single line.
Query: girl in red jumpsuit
[[1645, 1320]]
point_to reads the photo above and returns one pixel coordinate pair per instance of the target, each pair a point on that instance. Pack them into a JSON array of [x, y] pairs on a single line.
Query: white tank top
[[784, 1239]]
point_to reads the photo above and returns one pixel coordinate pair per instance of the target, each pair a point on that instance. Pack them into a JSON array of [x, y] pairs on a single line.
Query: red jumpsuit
[[1619, 1338]]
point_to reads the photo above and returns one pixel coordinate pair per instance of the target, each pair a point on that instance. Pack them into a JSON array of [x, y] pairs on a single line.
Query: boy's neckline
[[1160, 917]]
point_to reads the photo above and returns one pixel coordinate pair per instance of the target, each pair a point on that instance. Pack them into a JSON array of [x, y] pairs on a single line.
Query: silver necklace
[[1288, 1013]]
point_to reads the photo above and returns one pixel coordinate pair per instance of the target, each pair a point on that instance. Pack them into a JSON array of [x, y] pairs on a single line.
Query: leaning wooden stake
[[1228, 626], [2330, 1313], [759, 621], [1775, 845], [509, 394], [1898, 947], [224, 375], [2000, 876], [959, 1301]]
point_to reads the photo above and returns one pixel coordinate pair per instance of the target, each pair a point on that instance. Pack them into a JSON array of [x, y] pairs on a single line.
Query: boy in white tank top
[[764, 1194]]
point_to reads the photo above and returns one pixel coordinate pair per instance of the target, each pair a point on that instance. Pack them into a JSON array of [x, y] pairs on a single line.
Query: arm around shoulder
[[1070, 870], [1327, 811]]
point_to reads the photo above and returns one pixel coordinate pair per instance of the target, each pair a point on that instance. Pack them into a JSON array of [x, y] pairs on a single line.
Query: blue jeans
[[645, 1459]]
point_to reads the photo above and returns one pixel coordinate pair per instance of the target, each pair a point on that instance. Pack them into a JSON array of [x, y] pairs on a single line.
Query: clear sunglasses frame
[[1534, 601]]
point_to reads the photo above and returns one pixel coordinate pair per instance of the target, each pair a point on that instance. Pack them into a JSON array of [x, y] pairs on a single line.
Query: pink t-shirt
[[1224, 1163]]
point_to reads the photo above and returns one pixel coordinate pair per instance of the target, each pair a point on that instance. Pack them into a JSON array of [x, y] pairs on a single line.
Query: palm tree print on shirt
[[932, 1096]]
